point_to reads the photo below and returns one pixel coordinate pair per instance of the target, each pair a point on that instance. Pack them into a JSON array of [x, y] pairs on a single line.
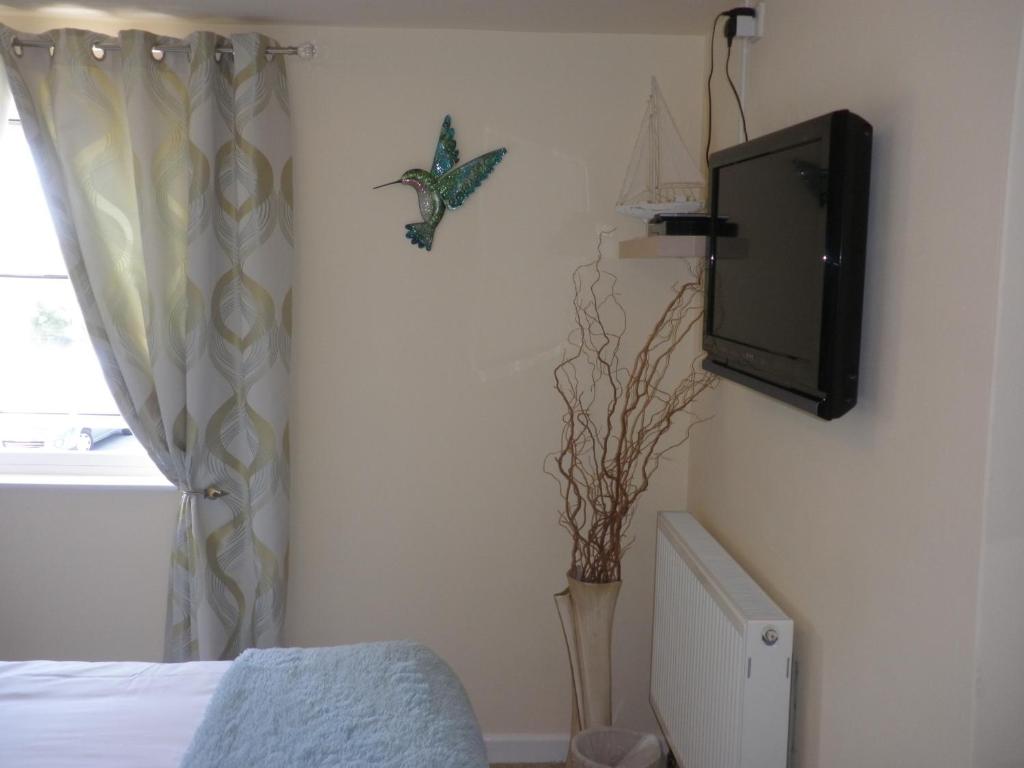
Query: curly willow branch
[[616, 419]]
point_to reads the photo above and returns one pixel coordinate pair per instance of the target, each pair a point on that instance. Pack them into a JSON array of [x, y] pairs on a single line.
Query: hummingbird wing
[[457, 185], [447, 154]]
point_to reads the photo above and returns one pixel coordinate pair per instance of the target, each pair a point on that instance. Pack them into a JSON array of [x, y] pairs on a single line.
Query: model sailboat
[[662, 179]]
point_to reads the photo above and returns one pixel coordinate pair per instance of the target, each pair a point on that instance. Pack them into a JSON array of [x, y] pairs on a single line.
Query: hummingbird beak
[[388, 184]]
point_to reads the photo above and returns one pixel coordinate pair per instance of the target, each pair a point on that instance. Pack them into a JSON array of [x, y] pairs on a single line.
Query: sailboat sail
[[662, 179]]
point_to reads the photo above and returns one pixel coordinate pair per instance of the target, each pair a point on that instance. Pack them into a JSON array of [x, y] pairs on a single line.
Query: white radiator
[[720, 670]]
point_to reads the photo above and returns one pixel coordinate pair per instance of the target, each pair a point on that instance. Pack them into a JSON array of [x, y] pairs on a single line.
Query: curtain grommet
[[157, 53], [17, 50], [98, 51]]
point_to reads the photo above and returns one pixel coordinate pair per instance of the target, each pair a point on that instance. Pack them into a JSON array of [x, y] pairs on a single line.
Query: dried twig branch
[[617, 418]]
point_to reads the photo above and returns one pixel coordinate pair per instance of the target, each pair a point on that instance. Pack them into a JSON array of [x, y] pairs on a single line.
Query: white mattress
[[109, 714]]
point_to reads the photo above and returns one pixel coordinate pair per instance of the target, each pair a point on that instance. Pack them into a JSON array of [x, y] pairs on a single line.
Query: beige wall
[[999, 689], [868, 530], [83, 572], [423, 404]]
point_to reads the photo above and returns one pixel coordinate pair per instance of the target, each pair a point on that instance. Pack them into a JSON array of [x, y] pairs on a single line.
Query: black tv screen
[[786, 262]]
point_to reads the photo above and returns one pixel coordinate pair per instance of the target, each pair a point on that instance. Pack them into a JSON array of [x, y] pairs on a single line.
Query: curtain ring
[[98, 51], [17, 50]]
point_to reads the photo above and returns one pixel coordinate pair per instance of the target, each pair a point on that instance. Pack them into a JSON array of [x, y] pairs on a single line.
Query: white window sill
[[79, 470], [85, 481]]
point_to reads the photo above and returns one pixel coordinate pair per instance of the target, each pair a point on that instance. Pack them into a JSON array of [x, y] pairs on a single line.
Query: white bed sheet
[[111, 714]]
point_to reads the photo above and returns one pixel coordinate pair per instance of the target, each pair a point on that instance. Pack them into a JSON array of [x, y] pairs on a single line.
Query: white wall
[[423, 404], [999, 687], [868, 530]]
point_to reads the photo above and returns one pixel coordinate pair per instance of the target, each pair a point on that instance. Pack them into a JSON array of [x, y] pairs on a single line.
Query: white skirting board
[[533, 747], [526, 747]]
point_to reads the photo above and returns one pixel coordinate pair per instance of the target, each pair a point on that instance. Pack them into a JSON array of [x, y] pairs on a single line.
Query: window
[[58, 420]]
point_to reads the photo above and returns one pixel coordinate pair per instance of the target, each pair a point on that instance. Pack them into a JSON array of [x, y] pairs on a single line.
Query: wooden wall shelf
[[663, 247], [670, 237]]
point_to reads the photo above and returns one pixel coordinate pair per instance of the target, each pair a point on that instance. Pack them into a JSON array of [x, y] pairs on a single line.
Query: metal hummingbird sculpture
[[444, 186]]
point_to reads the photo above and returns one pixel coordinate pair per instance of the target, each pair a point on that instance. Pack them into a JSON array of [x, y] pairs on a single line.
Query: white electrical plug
[[747, 27]]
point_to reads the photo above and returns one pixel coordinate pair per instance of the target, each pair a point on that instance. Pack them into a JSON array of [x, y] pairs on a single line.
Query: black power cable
[[711, 72], [735, 93], [730, 33]]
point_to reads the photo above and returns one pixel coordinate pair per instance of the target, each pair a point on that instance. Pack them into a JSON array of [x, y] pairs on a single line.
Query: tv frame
[[847, 141]]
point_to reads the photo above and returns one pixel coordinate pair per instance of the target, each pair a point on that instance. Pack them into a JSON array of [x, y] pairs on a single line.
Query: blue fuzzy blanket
[[379, 705]]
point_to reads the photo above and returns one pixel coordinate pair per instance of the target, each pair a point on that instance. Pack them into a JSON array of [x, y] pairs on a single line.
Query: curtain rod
[[303, 50]]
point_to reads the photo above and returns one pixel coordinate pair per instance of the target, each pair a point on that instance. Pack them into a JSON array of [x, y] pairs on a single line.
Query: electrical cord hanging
[[728, 76], [711, 72], [735, 93]]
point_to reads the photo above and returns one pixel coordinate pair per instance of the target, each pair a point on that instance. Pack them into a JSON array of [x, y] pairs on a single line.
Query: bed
[[386, 705]]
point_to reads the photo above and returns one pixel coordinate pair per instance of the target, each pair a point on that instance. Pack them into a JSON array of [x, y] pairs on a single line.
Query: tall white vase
[[587, 612]]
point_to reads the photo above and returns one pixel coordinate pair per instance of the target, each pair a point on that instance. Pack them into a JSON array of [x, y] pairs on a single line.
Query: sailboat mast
[[654, 173], [650, 189]]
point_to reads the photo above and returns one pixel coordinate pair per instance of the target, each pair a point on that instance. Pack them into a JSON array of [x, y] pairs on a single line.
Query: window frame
[[42, 467]]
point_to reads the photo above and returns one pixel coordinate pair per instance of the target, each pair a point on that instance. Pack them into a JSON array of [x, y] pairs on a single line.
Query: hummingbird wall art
[[444, 186]]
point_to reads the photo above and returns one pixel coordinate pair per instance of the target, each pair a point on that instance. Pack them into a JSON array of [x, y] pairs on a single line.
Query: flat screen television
[[785, 261]]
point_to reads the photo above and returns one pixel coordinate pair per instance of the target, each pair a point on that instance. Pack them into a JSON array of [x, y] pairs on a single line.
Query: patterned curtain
[[5, 99], [169, 179]]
